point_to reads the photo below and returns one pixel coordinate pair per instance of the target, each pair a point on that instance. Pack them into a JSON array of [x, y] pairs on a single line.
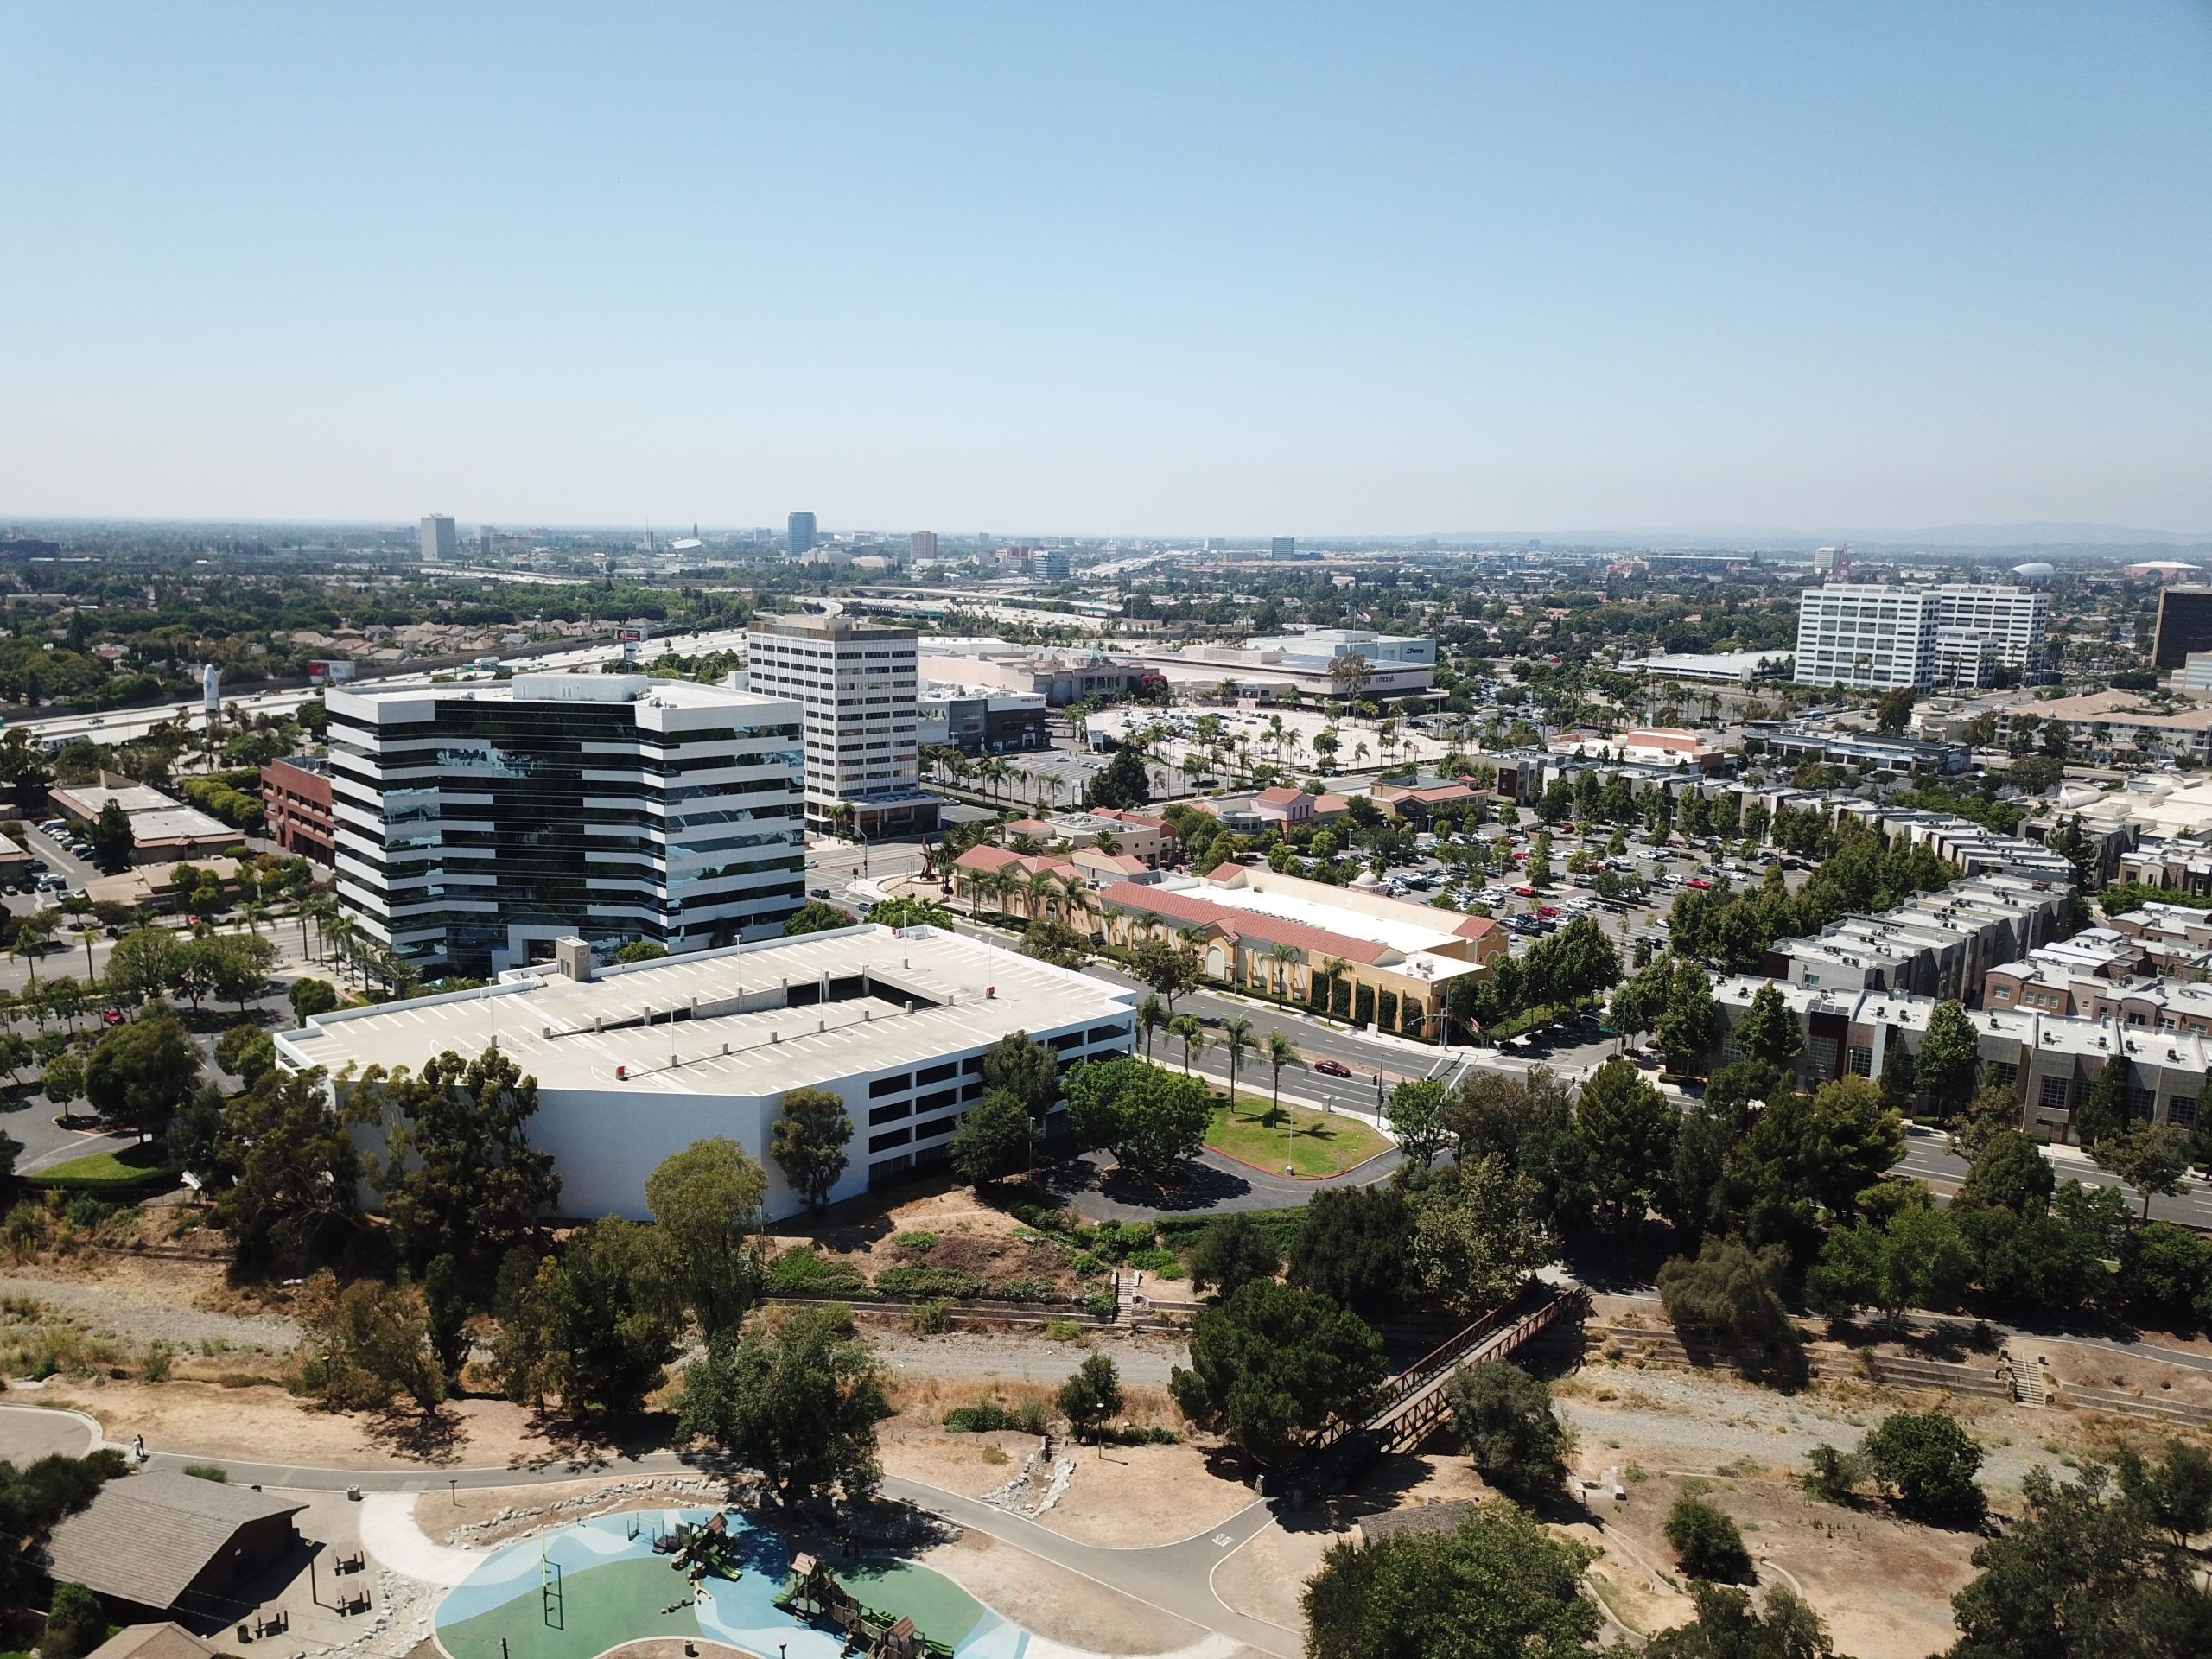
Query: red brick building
[[296, 807]]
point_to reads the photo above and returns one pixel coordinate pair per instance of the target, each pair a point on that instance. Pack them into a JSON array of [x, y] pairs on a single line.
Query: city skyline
[[1239, 272]]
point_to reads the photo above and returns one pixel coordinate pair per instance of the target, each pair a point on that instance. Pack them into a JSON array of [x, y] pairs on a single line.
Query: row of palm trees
[[1058, 894], [992, 776], [1236, 1040]]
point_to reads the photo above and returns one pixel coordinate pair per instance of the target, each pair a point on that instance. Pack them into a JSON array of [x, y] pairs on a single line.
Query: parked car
[[111, 1016]]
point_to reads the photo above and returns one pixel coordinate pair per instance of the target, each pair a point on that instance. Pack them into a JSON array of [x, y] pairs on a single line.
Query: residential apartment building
[[1874, 637], [478, 823], [2049, 1060], [857, 685], [1939, 944], [2120, 725]]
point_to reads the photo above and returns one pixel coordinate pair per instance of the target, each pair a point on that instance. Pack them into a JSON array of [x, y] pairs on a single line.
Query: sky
[[1134, 269]]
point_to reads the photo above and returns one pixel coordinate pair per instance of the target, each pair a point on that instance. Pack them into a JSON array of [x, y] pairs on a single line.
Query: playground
[[579, 1590]]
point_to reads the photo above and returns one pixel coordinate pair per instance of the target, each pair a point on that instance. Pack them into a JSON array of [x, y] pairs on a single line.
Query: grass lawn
[[1316, 1141], [132, 1164]]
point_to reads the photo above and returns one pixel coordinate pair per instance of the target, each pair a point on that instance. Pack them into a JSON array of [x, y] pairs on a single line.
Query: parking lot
[[53, 872]]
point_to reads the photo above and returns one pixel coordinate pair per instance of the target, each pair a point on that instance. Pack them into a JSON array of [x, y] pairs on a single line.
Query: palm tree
[[1279, 1051], [1332, 969], [1151, 1016], [1235, 1039], [1192, 1031], [1281, 958], [88, 933], [31, 935], [1038, 887]]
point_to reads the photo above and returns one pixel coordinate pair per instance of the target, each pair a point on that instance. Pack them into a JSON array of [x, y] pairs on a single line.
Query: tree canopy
[[809, 1141], [1272, 1363], [799, 1401]]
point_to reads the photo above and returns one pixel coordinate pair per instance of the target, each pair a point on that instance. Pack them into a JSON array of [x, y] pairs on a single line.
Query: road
[[1927, 1158]]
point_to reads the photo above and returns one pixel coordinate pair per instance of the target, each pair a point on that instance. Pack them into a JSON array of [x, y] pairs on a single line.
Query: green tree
[[1893, 711], [445, 1312], [2084, 1573], [809, 1141], [609, 1314], [1897, 1081], [1948, 1063], [142, 963], [1416, 1116], [1169, 966], [362, 1343], [1232, 1253], [2165, 1275], [1769, 1032], [141, 1071], [1516, 1440], [1025, 1068], [2011, 1171], [1476, 1235], [2149, 1157], [284, 1170], [1706, 1542], [112, 842], [992, 1140], [1355, 1247], [1994, 1109], [1190, 1031], [1913, 1257], [1272, 1363], [76, 1619], [61, 1082], [815, 917], [1683, 1024], [800, 1402], [33, 1498], [309, 997], [1092, 1396], [1927, 1464], [709, 1200], [1149, 1116], [1627, 1130], [1499, 1586], [1727, 1626], [1123, 784], [458, 1175], [247, 1053], [640, 950], [1729, 1294]]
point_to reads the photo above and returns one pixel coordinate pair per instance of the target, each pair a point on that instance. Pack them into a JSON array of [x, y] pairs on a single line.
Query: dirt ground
[[2093, 1367], [265, 1424], [1122, 1496], [483, 1516]]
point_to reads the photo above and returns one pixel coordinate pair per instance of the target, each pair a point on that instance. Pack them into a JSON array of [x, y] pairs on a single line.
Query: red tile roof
[[1185, 909], [998, 858], [1279, 796], [1029, 827]]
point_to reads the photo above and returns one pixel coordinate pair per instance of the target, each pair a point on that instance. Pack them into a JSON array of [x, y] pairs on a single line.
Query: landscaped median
[[131, 1171], [1314, 1144]]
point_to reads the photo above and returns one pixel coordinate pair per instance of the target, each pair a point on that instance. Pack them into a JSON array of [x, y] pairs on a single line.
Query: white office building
[[636, 1062], [478, 823], [856, 684], [439, 543], [1877, 638]]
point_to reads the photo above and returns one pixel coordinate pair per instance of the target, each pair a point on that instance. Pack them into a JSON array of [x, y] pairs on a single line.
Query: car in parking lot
[[111, 1016], [1329, 1068]]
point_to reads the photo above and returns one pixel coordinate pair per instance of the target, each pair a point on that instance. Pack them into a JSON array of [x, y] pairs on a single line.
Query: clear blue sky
[[1185, 268]]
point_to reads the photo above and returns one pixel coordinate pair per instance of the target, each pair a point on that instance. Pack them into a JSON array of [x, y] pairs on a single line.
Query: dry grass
[[924, 1399]]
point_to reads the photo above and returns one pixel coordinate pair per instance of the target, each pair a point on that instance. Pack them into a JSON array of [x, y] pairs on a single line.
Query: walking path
[[1175, 1578]]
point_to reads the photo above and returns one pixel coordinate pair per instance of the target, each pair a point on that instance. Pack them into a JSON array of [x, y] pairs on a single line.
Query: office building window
[[1862, 1061], [2057, 1095]]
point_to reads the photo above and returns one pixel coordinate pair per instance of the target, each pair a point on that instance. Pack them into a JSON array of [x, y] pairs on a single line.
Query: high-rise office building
[[478, 823], [802, 534], [856, 683], [2184, 624], [1283, 547], [1048, 564], [438, 542], [922, 545], [1880, 638]]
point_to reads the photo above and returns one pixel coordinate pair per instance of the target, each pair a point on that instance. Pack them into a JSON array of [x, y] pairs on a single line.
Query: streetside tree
[[809, 1141], [709, 1200]]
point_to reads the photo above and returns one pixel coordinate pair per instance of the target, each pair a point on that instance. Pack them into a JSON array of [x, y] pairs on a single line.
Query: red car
[[1698, 882], [1526, 892], [1545, 910], [111, 1016], [1332, 1068]]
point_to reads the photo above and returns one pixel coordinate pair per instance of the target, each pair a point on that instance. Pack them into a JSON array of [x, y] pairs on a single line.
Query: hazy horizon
[[1147, 272]]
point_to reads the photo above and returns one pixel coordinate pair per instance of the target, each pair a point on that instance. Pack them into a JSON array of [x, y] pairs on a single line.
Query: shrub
[[1516, 1440], [930, 1319], [1705, 1541], [1101, 1303], [159, 1358], [1029, 1289], [1833, 1475], [1162, 1264], [76, 1623], [915, 1243], [1062, 1329], [1729, 1294], [928, 1282], [805, 1272], [213, 1471], [988, 1417]]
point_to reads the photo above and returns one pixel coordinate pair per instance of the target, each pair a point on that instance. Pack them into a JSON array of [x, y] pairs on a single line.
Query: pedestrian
[[138, 1447]]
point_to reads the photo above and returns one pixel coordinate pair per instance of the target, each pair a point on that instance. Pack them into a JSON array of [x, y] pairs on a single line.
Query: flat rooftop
[[720, 1016], [559, 687]]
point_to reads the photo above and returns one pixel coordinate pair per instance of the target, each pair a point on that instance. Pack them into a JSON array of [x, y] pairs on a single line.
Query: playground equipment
[[813, 1592]]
